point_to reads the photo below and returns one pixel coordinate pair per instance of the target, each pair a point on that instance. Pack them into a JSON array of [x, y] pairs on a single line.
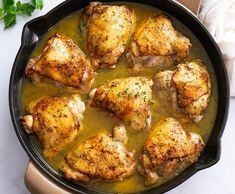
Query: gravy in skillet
[[96, 121]]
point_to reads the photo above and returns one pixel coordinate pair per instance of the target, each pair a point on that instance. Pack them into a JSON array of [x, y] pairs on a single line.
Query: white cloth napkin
[[219, 18]]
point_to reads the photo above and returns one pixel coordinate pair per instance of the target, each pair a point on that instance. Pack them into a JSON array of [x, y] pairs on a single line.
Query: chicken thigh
[[157, 43], [62, 62], [107, 30], [99, 157], [55, 121], [128, 99], [186, 89], [168, 149]]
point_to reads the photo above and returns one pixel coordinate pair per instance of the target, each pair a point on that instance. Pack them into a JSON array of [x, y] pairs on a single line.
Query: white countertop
[[219, 179]]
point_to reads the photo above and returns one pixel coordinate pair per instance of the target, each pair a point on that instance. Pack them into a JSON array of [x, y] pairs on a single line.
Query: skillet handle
[[194, 5], [37, 183]]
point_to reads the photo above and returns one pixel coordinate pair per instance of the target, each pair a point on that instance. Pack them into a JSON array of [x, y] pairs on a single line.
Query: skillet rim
[[48, 171]]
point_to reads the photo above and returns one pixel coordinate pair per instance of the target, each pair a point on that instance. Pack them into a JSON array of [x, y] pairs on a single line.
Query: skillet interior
[[35, 29]]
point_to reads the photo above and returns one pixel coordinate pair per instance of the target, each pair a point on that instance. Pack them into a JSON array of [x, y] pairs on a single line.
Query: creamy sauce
[[96, 121]]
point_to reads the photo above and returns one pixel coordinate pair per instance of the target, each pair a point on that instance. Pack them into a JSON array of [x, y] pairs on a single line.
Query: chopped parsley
[[81, 26]]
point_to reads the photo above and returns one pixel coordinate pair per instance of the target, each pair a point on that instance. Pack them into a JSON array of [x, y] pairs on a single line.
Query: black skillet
[[36, 28]]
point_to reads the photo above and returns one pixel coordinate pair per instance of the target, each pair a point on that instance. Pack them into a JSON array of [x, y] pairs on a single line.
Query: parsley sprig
[[10, 9]]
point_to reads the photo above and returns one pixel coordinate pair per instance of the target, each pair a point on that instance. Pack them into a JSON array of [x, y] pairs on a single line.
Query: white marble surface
[[218, 179]]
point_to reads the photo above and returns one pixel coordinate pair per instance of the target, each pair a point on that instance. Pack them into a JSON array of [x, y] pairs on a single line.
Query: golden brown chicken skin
[[193, 84], [55, 121], [157, 43], [188, 88], [62, 62], [128, 99], [99, 157], [168, 149], [107, 30]]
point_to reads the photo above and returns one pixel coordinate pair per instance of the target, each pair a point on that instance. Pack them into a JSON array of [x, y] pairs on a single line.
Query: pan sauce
[[96, 121]]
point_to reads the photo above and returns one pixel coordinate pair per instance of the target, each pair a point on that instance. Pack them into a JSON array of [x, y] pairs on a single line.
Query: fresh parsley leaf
[[7, 3], [38, 4], [1, 13], [9, 20], [24, 8], [10, 10]]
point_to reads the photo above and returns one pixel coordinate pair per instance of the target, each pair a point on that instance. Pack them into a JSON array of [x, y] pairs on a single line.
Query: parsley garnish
[[9, 20], [10, 9], [38, 4], [126, 90], [1, 13], [81, 26]]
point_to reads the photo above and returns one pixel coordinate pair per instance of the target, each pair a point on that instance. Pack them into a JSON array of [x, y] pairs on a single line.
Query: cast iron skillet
[[35, 29]]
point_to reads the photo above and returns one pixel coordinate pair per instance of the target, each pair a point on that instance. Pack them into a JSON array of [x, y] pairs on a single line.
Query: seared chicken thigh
[[99, 157], [62, 62], [55, 121], [157, 43], [187, 88], [128, 99], [168, 149], [107, 29]]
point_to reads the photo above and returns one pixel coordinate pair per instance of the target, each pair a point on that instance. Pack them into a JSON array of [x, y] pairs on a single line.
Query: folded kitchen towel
[[219, 18]]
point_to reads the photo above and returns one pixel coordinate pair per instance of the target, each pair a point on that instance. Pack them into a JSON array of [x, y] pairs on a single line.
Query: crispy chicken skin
[[107, 30], [55, 121], [157, 43], [187, 88], [167, 149], [63, 62], [128, 99], [99, 157]]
